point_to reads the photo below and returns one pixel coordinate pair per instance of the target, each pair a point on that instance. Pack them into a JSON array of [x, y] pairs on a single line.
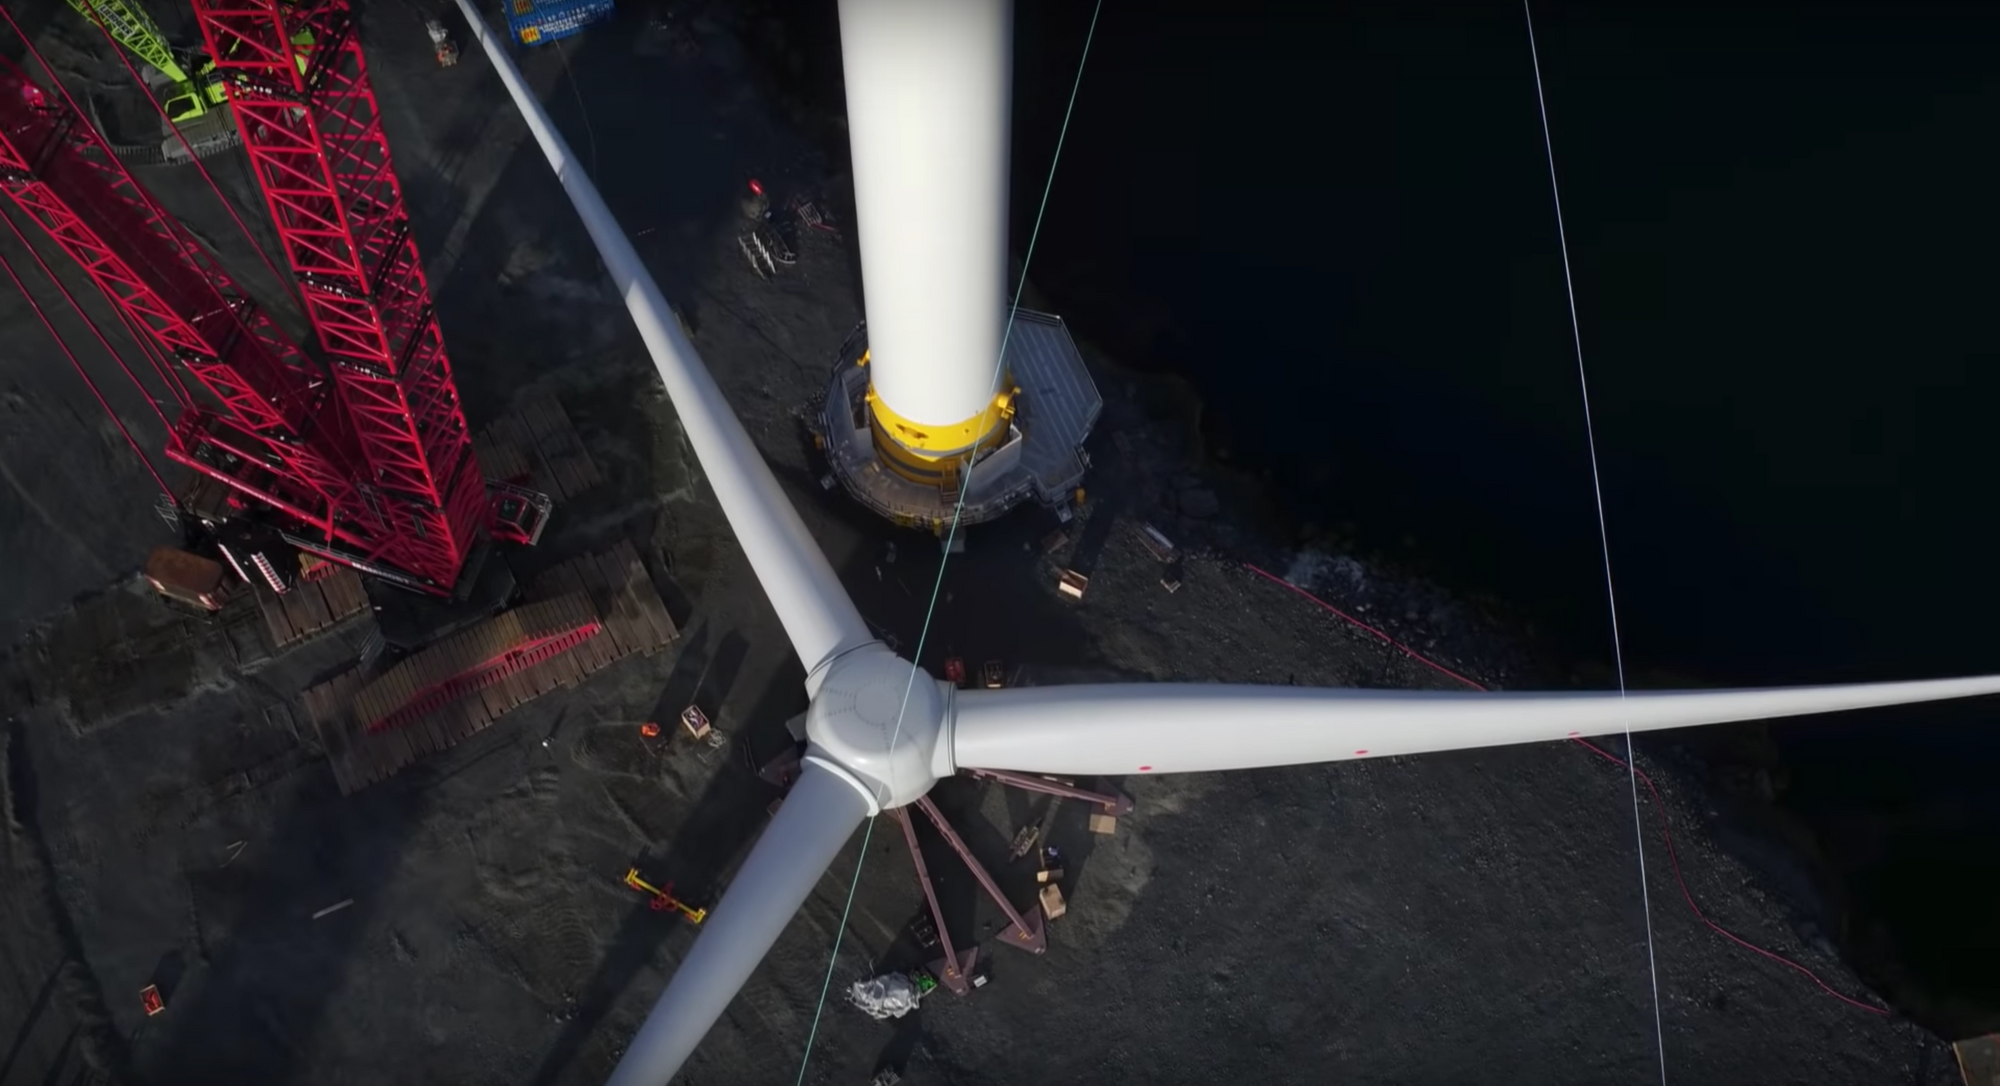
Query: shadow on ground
[[718, 829], [272, 967]]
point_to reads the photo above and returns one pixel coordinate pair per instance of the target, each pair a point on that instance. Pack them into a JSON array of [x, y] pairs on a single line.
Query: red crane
[[268, 430], [314, 136]]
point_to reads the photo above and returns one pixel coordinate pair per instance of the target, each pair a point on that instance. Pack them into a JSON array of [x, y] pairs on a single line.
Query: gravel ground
[[1457, 918]]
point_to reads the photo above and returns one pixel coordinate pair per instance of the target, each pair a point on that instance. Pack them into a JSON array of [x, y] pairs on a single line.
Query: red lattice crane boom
[[269, 432], [314, 136]]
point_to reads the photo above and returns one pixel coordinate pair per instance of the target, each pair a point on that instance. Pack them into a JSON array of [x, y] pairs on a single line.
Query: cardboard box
[[1052, 902], [695, 721], [1103, 823], [1072, 584], [1049, 875]]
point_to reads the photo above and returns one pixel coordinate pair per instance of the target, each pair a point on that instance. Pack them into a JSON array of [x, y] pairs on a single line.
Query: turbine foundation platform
[[1040, 457]]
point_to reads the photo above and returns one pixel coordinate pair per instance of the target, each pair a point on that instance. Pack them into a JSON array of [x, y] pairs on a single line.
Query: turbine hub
[[881, 719]]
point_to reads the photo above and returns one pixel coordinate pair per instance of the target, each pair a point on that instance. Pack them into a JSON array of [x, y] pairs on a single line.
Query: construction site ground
[[1456, 918]]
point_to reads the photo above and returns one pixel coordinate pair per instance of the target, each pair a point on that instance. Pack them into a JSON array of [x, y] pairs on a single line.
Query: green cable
[[833, 959]]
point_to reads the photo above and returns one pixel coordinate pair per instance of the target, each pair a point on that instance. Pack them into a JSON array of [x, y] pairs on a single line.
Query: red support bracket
[[954, 970], [1114, 804], [1026, 931]]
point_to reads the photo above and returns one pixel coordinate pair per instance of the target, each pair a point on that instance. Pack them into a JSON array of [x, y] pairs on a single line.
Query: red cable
[[78, 366], [175, 388], [95, 331], [284, 283], [91, 324], [1390, 641], [150, 347], [174, 229], [1659, 803], [1660, 806]]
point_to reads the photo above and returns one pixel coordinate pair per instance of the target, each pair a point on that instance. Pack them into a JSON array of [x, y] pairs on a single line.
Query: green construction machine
[[186, 97], [196, 106]]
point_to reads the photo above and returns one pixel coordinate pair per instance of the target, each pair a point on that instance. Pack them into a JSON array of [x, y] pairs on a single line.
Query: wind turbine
[[881, 732]]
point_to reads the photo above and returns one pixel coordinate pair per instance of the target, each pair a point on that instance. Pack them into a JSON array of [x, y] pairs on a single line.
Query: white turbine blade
[[817, 614], [816, 819], [1179, 728]]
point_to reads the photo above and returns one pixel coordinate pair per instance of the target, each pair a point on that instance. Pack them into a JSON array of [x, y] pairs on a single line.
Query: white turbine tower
[[880, 731]]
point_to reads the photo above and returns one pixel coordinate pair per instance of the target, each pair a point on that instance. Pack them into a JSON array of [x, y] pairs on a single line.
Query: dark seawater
[[1336, 225]]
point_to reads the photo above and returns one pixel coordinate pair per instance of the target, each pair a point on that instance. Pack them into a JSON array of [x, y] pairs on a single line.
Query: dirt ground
[[1458, 918]]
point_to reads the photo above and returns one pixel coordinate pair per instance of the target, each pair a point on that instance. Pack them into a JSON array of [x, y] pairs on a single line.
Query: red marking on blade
[[1145, 769], [1360, 752], [1573, 735]]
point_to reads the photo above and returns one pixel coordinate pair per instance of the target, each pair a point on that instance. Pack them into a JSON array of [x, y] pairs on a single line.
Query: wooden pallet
[[536, 445], [613, 584], [499, 458], [623, 593], [311, 606], [1979, 1060]]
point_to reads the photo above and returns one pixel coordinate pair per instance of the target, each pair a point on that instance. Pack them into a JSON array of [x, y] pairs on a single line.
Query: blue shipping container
[[536, 21]]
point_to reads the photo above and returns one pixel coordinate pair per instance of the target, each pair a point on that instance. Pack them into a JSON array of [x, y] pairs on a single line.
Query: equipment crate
[[534, 22]]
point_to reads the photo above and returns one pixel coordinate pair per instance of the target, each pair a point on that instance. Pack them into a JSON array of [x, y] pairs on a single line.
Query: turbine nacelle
[[881, 723]]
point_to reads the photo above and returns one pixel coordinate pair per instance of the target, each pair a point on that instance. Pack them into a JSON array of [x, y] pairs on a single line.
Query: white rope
[[1603, 535]]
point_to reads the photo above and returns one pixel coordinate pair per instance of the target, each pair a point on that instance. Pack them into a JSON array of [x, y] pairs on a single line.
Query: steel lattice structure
[[314, 136], [131, 27], [271, 431]]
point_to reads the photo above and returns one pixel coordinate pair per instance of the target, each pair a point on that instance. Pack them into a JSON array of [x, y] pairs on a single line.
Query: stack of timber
[[579, 618], [537, 446], [476, 660], [1979, 1059], [311, 606]]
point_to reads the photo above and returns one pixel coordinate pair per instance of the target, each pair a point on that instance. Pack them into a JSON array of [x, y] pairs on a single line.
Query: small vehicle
[[954, 671], [994, 674]]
